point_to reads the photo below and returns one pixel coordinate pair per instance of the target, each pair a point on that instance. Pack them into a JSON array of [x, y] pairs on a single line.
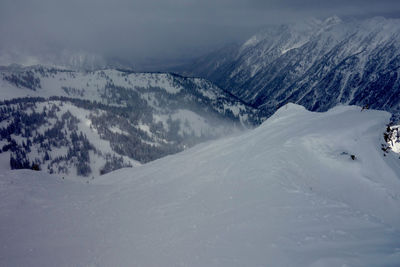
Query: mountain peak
[[333, 20]]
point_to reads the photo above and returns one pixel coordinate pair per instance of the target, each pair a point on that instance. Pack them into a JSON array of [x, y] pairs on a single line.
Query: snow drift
[[288, 193]]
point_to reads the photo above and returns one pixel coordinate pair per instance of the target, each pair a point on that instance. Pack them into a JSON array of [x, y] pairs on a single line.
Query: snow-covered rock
[[288, 193]]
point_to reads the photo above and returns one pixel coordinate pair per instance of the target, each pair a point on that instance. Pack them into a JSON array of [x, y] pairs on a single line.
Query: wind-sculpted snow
[[317, 64], [303, 189]]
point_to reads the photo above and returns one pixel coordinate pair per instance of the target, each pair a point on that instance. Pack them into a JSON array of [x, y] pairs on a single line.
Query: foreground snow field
[[284, 194]]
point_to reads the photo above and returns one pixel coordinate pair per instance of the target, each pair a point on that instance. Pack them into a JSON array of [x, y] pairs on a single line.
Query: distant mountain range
[[317, 64], [78, 123]]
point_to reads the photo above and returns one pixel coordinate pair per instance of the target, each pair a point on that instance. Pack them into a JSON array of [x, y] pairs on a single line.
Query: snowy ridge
[[40, 81], [288, 193]]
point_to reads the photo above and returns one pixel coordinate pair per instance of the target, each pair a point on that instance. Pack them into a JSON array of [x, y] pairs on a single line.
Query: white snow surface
[[284, 194]]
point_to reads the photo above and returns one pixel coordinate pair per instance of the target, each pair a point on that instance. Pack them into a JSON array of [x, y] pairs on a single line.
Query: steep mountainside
[[89, 123], [303, 189], [317, 64]]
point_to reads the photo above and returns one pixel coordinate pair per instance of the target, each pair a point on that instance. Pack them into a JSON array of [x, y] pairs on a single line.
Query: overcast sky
[[165, 29]]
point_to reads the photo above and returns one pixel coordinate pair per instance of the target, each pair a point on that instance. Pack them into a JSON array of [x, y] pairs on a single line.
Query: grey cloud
[[136, 30]]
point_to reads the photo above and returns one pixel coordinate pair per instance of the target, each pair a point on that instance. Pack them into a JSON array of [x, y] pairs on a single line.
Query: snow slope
[[284, 194]]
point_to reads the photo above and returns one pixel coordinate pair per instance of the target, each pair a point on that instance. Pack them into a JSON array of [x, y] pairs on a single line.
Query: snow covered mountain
[[90, 123], [317, 64], [303, 189]]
